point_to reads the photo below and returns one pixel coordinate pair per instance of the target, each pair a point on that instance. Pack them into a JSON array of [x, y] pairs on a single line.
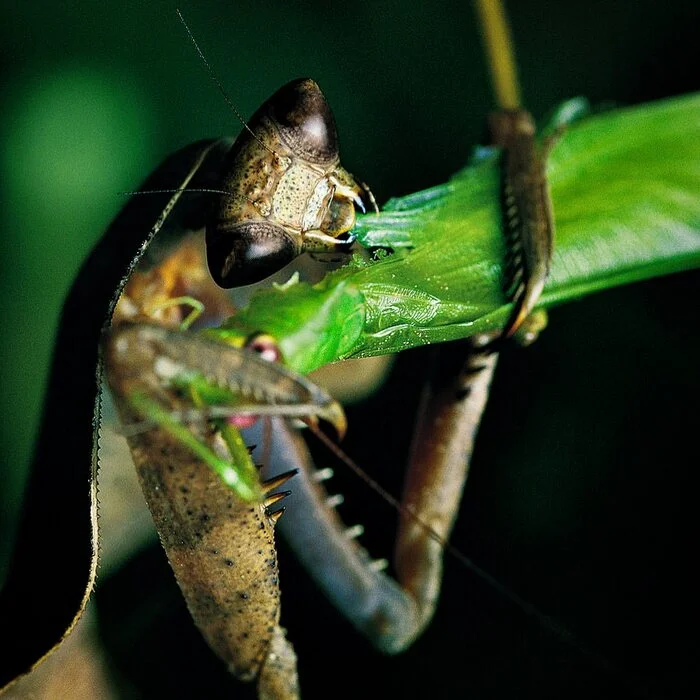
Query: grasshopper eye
[[305, 121], [248, 253], [265, 346]]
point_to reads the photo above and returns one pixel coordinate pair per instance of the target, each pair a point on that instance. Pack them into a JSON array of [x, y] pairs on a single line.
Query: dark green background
[[582, 496]]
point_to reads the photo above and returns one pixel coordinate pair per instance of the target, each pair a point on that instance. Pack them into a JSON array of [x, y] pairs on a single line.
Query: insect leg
[[453, 402], [215, 519], [221, 549], [527, 212], [392, 613]]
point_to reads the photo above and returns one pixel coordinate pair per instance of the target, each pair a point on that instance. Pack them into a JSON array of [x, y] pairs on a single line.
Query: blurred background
[[582, 492]]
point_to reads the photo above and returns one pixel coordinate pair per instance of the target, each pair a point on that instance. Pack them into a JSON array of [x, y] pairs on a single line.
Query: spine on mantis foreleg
[[221, 548]]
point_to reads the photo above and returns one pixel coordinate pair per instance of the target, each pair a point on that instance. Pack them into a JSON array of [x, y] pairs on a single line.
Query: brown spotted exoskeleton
[[288, 192]]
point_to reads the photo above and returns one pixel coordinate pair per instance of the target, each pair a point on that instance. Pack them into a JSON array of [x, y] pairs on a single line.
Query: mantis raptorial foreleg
[[215, 519], [525, 200], [391, 613]]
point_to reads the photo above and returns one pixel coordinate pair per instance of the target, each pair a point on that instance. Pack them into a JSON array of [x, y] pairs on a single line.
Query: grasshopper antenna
[[220, 87]]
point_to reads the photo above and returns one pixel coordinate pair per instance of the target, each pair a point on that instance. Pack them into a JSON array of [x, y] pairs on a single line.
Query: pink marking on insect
[[242, 421], [266, 347]]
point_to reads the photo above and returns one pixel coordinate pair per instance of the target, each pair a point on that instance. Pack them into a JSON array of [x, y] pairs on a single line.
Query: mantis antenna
[[220, 87]]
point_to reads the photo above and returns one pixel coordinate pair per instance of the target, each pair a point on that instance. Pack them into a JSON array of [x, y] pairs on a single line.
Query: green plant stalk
[[625, 192], [239, 474]]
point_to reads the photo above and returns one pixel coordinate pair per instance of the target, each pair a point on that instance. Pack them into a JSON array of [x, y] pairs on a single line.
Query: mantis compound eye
[[305, 121], [248, 253]]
